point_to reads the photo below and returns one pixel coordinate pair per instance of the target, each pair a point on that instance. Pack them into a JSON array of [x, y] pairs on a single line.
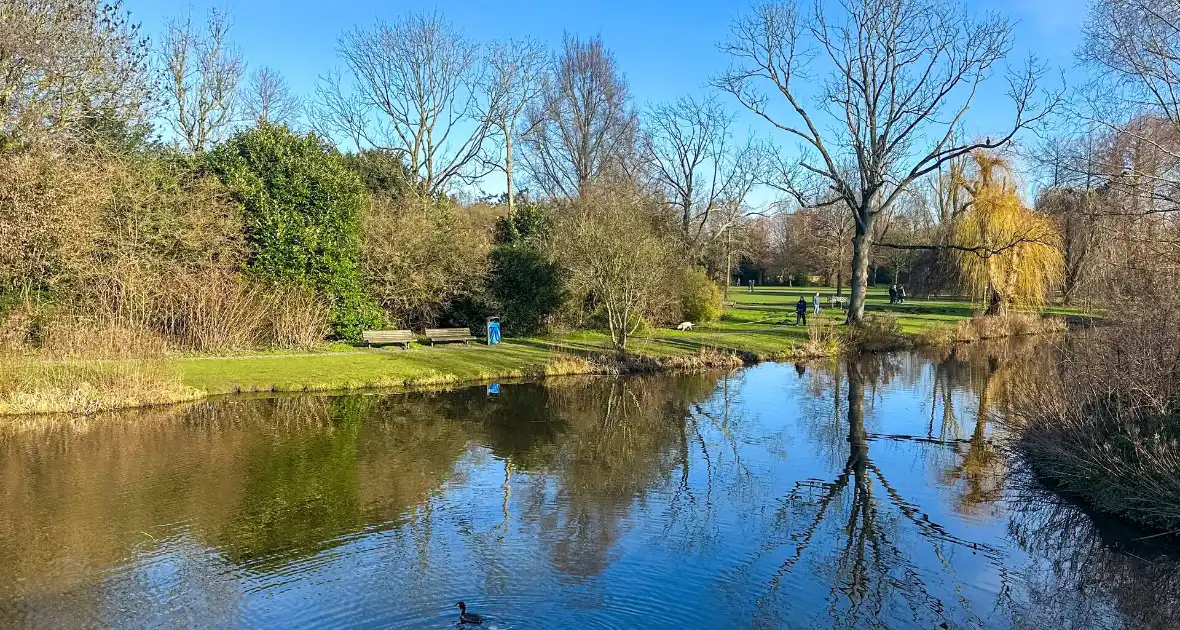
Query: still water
[[867, 493]]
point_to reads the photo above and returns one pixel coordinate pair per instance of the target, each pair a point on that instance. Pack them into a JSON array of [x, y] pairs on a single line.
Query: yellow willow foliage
[[1016, 257]]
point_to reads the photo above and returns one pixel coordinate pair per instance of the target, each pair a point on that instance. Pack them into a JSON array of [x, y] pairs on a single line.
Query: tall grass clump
[[879, 332], [1106, 427], [83, 368], [823, 339]]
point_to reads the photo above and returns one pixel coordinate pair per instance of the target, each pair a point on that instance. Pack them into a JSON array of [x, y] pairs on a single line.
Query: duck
[[466, 617]]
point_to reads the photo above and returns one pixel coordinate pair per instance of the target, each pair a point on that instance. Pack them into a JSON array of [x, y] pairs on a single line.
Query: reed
[[85, 368], [1106, 426]]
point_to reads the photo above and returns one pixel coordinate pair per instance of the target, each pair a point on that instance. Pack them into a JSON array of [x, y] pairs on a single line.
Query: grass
[[31, 385], [757, 327], [753, 329]]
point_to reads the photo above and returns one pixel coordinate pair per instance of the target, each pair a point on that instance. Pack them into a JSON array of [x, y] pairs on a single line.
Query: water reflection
[[862, 493]]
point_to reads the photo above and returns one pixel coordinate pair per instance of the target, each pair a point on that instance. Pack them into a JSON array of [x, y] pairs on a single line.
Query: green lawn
[[759, 323]]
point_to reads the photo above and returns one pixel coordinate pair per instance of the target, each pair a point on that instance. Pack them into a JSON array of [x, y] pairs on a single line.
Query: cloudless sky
[[666, 48]]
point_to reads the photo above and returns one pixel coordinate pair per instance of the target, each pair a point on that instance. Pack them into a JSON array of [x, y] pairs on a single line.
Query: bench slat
[[449, 334], [404, 337]]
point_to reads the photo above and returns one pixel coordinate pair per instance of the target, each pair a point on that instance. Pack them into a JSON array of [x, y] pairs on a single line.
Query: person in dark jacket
[[801, 311], [893, 294]]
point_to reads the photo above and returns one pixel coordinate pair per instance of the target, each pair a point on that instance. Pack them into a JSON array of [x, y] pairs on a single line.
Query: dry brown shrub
[[823, 339], [297, 318], [16, 329], [1106, 424], [417, 258], [1006, 325], [78, 337], [212, 312], [878, 332]]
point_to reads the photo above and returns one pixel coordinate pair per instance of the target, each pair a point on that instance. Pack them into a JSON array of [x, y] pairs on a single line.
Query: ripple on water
[[677, 501]]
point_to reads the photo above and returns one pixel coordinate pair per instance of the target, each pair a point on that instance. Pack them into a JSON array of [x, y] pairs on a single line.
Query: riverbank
[[1105, 427], [758, 327]]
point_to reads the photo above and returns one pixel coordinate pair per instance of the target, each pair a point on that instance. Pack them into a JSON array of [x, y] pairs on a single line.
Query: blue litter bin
[[493, 330]]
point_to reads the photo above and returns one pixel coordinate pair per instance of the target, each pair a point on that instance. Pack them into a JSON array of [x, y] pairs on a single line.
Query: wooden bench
[[838, 300], [399, 337], [447, 335]]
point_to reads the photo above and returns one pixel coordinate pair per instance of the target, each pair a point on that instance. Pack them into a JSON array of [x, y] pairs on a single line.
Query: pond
[[861, 493]]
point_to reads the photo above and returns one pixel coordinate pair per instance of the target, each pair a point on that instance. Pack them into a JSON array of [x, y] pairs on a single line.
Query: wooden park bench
[[838, 300], [398, 337], [446, 335]]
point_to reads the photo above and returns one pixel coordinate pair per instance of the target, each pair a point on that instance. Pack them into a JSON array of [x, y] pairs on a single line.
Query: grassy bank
[[1106, 426], [758, 327]]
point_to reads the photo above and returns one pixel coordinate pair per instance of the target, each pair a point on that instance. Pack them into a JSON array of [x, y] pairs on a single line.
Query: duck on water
[[466, 617]]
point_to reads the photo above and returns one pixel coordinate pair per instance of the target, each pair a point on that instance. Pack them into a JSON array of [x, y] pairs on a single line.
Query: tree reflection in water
[[1088, 572], [820, 495], [870, 565]]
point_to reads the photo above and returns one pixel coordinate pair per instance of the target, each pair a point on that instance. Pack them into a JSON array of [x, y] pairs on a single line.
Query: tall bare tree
[[202, 71], [65, 60], [416, 90], [584, 125], [1134, 48], [689, 151], [516, 80], [268, 98], [903, 75], [611, 240]]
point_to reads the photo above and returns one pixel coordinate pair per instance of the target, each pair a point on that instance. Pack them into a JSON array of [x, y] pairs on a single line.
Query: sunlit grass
[[759, 326]]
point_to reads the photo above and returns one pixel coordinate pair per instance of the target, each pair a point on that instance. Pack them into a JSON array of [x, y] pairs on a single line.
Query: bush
[[531, 223], [525, 287], [297, 318], [700, 298], [418, 258], [302, 206], [878, 332], [1105, 425]]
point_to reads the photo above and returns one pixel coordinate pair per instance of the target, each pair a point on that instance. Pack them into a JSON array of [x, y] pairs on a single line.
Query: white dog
[[684, 326]]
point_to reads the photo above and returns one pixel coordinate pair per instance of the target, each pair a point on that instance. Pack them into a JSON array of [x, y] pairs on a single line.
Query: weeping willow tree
[[1009, 255]]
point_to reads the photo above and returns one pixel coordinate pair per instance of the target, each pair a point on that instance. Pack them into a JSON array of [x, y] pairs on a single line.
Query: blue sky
[[666, 48]]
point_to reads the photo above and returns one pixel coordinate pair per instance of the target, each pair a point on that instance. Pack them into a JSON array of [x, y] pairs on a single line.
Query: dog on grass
[[684, 326]]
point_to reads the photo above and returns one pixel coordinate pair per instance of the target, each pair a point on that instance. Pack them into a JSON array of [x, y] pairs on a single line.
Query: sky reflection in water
[[851, 494]]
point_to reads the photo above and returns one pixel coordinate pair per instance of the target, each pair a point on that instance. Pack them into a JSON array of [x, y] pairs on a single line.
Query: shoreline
[[198, 378]]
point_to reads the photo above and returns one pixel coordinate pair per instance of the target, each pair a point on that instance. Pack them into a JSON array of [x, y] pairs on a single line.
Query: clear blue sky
[[667, 48]]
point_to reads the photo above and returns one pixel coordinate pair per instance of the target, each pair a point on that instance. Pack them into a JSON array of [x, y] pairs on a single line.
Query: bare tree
[[202, 71], [269, 99], [1078, 219], [516, 80], [584, 125], [61, 62], [610, 239], [416, 90], [689, 151], [904, 73], [1134, 47]]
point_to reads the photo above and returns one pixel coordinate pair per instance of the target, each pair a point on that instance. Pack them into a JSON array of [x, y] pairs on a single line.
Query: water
[[852, 494]]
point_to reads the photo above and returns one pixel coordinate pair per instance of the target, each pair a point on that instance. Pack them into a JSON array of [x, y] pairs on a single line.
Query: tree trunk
[[995, 302], [508, 172], [862, 243]]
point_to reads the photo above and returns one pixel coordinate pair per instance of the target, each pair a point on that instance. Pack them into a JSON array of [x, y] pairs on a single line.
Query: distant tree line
[[211, 189]]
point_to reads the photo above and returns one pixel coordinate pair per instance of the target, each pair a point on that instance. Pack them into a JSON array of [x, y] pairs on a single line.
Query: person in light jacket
[[815, 303]]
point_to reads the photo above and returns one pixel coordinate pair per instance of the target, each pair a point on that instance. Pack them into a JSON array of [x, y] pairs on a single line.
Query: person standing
[[901, 294], [815, 303], [893, 294], [801, 311]]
